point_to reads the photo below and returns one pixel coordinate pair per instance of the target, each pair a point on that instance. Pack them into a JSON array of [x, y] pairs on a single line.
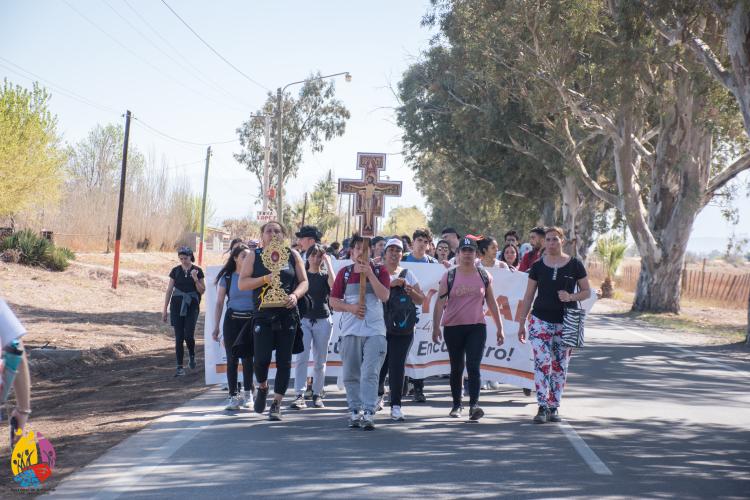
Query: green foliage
[[314, 117], [36, 251], [404, 220], [67, 252], [30, 159], [611, 249], [322, 210]]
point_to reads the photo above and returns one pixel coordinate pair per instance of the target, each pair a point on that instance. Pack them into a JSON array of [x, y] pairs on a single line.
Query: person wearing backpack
[[462, 294], [400, 313], [238, 315]]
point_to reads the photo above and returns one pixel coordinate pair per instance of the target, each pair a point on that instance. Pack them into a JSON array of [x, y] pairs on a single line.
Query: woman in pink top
[[463, 320]]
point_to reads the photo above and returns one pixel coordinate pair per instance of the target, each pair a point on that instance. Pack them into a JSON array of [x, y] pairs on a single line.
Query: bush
[[67, 252], [32, 250]]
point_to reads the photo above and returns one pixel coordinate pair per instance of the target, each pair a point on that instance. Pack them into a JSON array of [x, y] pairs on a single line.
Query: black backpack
[[452, 277], [399, 311]]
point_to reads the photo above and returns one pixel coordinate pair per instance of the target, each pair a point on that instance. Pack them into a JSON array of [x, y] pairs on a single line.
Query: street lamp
[[280, 155]]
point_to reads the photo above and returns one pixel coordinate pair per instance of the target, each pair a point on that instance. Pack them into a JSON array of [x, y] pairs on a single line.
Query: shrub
[[32, 250], [58, 260], [67, 252]]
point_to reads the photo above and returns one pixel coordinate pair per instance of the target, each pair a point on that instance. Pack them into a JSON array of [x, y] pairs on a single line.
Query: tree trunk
[[570, 205], [738, 48]]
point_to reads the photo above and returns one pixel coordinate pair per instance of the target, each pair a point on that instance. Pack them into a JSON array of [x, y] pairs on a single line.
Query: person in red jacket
[[536, 238]]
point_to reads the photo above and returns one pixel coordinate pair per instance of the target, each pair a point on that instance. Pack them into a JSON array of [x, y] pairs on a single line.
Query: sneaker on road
[[381, 403], [180, 372], [309, 392], [275, 412], [260, 400], [456, 411], [396, 414], [553, 416], [475, 413], [247, 399], [541, 416], [318, 401], [368, 420], [494, 385], [233, 403], [191, 363], [419, 396], [354, 419], [299, 403]]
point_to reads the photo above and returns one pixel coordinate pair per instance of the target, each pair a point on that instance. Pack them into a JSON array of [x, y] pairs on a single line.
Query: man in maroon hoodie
[[536, 239]]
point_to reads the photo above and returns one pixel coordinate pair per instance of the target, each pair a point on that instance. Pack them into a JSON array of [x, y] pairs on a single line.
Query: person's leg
[[559, 368], [231, 330], [284, 343], [454, 341], [179, 339], [351, 358], [540, 338], [476, 337], [384, 369], [300, 371], [398, 349], [373, 354], [190, 321], [321, 334], [263, 347]]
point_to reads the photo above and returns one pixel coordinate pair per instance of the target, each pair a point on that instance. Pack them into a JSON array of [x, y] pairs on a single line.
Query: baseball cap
[[309, 232], [394, 242], [467, 243]]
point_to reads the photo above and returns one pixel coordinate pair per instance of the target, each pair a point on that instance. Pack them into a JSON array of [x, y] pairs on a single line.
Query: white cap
[[394, 242]]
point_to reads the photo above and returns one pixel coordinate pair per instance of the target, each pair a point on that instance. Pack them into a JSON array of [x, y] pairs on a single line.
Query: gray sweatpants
[[362, 358], [316, 337]]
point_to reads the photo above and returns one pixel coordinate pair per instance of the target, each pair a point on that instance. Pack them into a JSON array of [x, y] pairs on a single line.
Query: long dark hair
[[484, 243], [315, 250], [502, 255], [231, 266]]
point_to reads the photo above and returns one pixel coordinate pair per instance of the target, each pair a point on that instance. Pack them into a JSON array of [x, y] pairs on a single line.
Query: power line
[[145, 61], [214, 50], [175, 139]]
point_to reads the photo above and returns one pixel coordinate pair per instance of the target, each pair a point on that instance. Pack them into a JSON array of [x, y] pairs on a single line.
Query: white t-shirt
[[409, 278], [498, 263], [10, 327]]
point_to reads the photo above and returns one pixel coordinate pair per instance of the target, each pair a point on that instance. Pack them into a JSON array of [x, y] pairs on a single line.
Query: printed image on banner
[[511, 363]]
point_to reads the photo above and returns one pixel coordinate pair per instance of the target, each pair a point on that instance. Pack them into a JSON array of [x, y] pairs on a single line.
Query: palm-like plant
[[611, 249]]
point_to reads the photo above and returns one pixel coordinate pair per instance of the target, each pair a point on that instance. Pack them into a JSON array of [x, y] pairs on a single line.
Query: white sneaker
[[494, 385], [248, 400], [396, 414], [368, 420], [355, 419], [233, 403]]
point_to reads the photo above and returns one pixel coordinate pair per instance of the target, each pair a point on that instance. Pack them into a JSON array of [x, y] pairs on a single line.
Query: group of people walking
[[377, 324]]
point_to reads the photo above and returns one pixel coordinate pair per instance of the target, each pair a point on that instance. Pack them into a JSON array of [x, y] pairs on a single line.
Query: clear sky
[[121, 56]]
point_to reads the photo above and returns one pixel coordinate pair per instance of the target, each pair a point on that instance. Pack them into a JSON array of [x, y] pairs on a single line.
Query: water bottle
[[12, 356]]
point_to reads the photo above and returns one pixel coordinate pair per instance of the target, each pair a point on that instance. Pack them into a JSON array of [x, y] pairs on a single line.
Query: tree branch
[[722, 178]]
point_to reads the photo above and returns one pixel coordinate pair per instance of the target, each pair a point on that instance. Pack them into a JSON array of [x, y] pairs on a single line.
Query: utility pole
[[279, 158], [121, 203], [304, 210], [267, 163], [203, 208]]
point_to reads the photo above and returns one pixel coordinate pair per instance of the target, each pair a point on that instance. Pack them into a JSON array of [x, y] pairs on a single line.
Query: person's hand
[[409, 289], [437, 335], [500, 337], [291, 301], [563, 296], [358, 310], [398, 282], [327, 262], [215, 334], [194, 274], [164, 316], [446, 264], [21, 419], [522, 333], [363, 268]]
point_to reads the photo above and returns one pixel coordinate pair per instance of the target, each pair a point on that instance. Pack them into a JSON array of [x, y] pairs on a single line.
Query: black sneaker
[[318, 401], [475, 413], [541, 416], [553, 416], [527, 392], [299, 403], [180, 372], [260, 400], [191, 363], [275, 412], [419, 396], [456, 411]]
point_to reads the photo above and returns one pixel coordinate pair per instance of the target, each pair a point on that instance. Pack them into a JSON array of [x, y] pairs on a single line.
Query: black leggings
[[274, 332], [465, 341], [395, 359], [232, 329], [184, 329]]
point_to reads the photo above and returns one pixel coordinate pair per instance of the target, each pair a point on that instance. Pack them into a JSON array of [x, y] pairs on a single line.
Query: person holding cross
[[363, 342]]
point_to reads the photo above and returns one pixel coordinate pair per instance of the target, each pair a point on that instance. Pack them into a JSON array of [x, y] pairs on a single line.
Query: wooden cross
[[370, 191]]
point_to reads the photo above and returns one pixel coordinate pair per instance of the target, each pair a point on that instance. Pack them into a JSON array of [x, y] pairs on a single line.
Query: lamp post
[[280, 151]]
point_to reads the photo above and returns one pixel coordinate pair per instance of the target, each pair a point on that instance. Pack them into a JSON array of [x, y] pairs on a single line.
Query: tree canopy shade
[[30, 157], [312, 118]]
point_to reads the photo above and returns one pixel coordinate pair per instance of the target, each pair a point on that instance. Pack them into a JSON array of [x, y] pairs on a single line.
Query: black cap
[[376, 240], [467, 243], [309, 232]]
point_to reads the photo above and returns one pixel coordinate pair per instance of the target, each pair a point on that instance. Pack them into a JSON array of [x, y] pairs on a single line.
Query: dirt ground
[[124, 378]]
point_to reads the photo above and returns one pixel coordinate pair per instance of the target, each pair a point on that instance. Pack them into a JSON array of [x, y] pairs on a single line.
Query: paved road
[[642, 419]]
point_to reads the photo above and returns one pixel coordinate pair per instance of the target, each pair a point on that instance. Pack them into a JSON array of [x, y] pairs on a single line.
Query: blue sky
[[196, 97]]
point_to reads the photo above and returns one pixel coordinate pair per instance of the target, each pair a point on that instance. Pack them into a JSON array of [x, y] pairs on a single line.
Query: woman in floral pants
[[554, 279]]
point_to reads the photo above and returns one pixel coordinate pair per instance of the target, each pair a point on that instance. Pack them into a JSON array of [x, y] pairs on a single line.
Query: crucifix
[[370, 193]]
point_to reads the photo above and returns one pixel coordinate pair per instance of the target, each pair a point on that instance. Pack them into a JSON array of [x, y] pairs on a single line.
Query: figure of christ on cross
[[370, 191]]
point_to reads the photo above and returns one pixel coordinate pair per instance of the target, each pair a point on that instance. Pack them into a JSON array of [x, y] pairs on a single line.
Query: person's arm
[[22, 386], [523, 266], [221, 294], [329, 268], [437, 314], [167, 298], [246, 281], [301, 290], [200, 283], [502, 265], [495, 313], [337, 301], [381, 291], [415, 292], [523, 311], [584, 292]]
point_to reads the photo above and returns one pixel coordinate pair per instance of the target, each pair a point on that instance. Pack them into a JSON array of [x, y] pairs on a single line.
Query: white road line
[[587, 454]]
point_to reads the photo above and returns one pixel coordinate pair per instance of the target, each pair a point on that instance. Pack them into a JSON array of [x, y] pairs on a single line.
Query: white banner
[[512, 363]]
